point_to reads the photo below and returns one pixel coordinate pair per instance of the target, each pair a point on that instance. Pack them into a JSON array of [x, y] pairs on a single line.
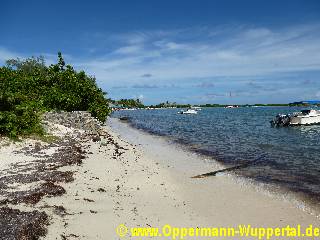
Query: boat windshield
[[305, 112]]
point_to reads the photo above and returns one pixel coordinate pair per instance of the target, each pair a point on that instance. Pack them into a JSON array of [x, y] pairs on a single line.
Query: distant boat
[[196, 108], [305, 117], [231, 106], [189, 111]]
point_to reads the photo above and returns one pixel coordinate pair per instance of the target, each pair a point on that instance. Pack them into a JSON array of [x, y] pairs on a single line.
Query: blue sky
[[184, 51]]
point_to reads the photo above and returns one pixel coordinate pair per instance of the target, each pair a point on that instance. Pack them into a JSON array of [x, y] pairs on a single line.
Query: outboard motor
[[281, 120]]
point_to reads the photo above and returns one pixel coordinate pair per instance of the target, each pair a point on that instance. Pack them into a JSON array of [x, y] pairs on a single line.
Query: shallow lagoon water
[[289, 156]]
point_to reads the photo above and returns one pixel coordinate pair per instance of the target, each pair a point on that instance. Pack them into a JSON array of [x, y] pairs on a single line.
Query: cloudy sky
[[184, 51]]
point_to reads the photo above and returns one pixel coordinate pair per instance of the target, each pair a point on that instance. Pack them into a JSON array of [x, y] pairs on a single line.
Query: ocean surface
[[288, 157]]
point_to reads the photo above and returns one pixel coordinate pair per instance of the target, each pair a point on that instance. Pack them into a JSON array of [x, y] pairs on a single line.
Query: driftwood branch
[[229, 169]]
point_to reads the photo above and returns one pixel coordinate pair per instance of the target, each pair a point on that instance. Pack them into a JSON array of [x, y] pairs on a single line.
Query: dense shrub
[[28, 87]]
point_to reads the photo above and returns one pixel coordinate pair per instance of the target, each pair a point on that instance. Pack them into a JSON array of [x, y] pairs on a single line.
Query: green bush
[[28, 87]]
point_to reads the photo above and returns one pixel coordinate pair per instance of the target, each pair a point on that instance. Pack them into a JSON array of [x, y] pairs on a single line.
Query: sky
[[201, 51]]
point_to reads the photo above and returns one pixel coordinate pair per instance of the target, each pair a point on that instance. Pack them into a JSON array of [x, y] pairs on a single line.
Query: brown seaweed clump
[[17, 225]]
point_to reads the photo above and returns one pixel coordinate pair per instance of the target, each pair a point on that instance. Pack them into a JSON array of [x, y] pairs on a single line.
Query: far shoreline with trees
[[132, 103]]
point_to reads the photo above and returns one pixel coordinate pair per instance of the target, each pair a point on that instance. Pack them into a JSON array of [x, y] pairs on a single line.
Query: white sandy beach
[[150, 185], [147, 183]]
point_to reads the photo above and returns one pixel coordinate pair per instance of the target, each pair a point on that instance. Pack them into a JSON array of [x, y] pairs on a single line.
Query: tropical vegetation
[[130, 103], [28, 88]]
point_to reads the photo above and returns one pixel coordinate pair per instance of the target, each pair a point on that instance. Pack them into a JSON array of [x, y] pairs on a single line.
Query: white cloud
[[5, 54], [182, 55], [128, 50], [245, 52]]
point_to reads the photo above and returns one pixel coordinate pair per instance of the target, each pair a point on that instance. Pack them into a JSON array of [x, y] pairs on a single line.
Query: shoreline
[[140, 180], [303, 200], [208, 163]]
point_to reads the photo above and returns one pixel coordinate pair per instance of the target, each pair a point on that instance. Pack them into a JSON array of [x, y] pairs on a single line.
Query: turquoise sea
[[287, 156]]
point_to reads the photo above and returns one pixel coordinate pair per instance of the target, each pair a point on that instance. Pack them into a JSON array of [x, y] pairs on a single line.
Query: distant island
[[137, 103]]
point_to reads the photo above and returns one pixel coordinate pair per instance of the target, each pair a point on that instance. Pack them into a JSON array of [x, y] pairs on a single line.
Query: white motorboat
[[189, 111], [231, 106], [305, 117], [196, 108]]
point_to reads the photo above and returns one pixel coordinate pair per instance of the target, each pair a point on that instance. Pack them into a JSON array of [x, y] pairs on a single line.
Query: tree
[[28, 87]]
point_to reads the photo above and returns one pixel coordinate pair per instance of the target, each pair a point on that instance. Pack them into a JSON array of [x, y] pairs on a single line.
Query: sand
[[150, 185], [144, 180]]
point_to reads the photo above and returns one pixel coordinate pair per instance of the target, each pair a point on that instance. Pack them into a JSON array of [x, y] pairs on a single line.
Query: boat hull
[[190, 111], [305, 120]]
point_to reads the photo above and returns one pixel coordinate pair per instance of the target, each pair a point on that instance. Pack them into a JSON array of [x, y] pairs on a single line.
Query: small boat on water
[[196, 108], [305, 117], [231, 106], [189, 111]]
